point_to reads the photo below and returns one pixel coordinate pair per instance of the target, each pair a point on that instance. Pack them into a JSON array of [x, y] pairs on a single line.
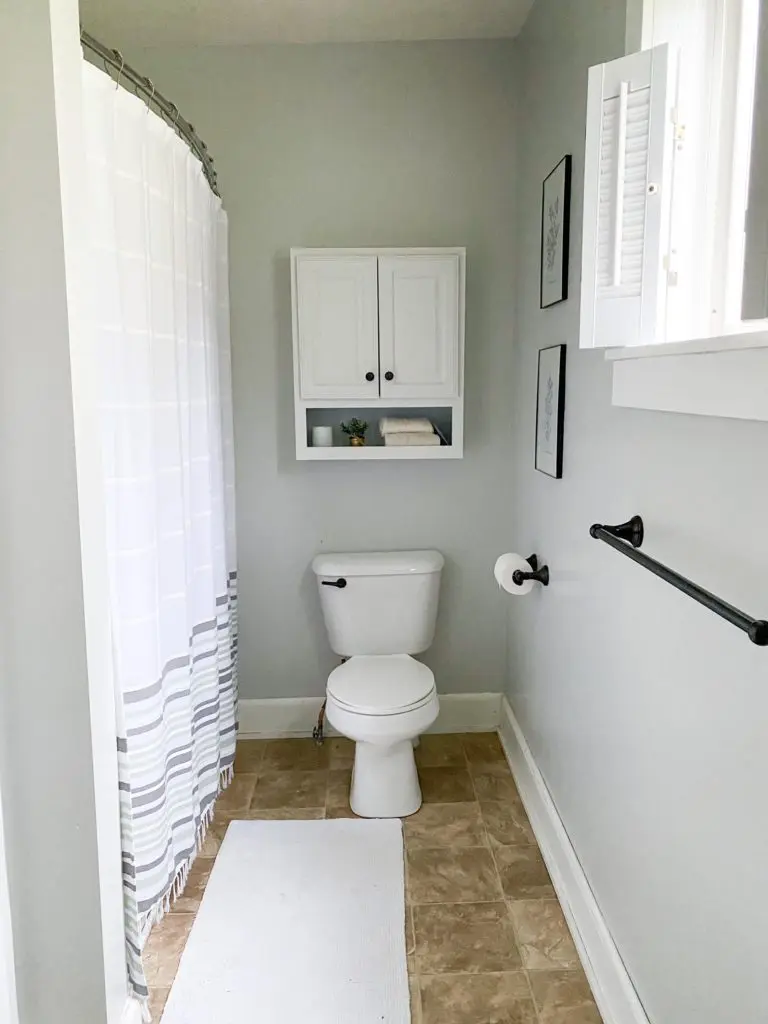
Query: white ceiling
[[120, 23]]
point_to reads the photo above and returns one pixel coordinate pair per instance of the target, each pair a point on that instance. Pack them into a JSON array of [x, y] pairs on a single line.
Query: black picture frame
[[550, 411], [555, 234]]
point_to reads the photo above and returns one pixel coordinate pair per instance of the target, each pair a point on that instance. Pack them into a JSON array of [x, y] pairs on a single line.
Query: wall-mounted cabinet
[[378, 330]]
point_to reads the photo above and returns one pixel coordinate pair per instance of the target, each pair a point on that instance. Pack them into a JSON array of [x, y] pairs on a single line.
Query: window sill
[[726, 377], [702, 346]]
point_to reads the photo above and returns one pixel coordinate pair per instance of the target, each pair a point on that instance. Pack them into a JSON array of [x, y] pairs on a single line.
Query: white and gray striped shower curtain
[[159, 274]]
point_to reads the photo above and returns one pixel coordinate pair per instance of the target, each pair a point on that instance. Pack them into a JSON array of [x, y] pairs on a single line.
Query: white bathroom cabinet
[[378, 332]]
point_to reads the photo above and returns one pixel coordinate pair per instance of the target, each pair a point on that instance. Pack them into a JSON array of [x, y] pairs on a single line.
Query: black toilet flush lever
[[539, 575], [340, 583]]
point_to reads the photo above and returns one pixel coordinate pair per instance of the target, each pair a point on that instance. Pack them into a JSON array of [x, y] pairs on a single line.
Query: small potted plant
[[355, 430]]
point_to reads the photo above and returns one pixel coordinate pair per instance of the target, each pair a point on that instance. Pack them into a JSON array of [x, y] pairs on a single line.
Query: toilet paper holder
[[539, 575]]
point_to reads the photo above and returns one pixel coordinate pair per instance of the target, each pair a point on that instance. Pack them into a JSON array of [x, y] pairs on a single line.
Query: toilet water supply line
[[317, 732]]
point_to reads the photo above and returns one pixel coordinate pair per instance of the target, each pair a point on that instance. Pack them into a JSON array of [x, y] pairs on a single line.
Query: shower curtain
[[159, 276]]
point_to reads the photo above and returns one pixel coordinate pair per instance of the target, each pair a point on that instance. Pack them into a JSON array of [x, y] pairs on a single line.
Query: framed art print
[[550, 411], [555, 229]]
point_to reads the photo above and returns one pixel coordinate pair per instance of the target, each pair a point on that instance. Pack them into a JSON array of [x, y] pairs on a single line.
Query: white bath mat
[[302, 922]]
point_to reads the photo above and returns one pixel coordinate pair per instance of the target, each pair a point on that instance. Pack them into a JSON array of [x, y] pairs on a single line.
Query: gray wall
[[394, 144], [646, 714], [45, 740]]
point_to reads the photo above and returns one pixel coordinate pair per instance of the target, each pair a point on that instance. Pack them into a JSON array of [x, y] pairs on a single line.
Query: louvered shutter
[[627, 194]]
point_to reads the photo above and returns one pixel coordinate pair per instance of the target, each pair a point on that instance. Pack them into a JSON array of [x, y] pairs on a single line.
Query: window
[[675, 234]]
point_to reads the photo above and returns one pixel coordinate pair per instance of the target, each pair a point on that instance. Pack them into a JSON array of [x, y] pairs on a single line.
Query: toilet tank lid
[[378, 563]]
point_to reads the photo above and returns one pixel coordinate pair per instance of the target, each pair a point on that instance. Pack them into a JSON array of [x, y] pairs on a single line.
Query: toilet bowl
[[383, 703], [380, 609]]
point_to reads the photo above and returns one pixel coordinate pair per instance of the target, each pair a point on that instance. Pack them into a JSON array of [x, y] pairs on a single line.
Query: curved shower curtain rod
[[114, 61]]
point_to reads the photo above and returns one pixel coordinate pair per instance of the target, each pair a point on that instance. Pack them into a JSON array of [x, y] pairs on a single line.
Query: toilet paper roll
[[505, 566]]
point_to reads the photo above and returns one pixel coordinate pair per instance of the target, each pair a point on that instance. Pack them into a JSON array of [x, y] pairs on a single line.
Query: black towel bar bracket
[[628, 537]]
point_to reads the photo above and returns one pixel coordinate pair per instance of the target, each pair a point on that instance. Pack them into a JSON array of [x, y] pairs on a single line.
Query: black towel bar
[[627, 538]]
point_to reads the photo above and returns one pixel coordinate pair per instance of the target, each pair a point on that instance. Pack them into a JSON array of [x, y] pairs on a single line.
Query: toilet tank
[[384, 602]]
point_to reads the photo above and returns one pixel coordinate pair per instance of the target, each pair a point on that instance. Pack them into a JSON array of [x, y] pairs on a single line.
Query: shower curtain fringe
[[179, 881]]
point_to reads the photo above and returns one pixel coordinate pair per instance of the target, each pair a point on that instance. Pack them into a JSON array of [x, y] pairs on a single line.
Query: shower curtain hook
[[121, 58], [152, 96]]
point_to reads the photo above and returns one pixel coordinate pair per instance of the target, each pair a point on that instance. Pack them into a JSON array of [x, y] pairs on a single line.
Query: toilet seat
[[381, 685]]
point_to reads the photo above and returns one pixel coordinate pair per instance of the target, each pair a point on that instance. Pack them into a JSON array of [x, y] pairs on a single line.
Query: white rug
[[302, 922]]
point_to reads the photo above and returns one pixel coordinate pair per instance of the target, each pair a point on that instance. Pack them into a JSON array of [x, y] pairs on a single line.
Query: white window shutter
[[627, 195]]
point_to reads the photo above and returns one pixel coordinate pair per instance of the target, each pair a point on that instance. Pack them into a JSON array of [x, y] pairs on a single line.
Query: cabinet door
[[419, 326], [337, 330]]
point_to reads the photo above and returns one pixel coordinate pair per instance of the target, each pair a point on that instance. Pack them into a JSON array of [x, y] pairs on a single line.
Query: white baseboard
[[297, 716], [611, 985], [132, 1013]]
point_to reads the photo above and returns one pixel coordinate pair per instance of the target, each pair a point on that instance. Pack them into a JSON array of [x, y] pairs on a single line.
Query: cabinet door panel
[[337, 327], [419, 326]]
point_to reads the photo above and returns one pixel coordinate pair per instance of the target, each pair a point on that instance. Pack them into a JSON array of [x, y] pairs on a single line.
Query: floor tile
[[164, 948], [341, 752], [286, 814], [523, 872], [483, 748], [339, 782], [440, 751], [444, 825], [340, 812], [237, 795], [248, 756], [158, 997], [446, 785], [507, 823], [290, 789], [415, 994], [490, 785], [215, 834], [466, 938], [452, 876], [476, 999], [189, 901], [563, 997], [543, 935], [410, 939], [294, 755]]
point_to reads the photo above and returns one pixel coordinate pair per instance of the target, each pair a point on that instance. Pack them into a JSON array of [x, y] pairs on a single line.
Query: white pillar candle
[[322, 437]]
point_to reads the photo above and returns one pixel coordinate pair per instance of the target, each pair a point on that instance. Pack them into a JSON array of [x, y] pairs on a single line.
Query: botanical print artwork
[[547, 424], [551, 243], [555, 213], [550, 407]]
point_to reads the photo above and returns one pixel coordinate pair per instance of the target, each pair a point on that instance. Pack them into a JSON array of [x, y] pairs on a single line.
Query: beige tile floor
[[487, 942]]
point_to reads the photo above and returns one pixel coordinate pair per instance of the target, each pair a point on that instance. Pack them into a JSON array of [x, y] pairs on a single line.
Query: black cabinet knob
[[389, 375], [370, 376]]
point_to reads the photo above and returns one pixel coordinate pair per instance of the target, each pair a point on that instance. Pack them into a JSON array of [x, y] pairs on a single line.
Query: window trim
[[726, 380], [731, 125], [715, 257], [742, 341]]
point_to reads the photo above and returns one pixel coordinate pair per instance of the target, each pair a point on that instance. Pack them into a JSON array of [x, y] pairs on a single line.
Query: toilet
[[379, 610]]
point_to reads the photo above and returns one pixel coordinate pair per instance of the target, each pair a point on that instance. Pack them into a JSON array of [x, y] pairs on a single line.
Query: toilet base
[[384, 781]]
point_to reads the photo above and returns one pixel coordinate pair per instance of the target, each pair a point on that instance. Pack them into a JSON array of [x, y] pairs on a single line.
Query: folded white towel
[[397, 425], [413, 439]]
